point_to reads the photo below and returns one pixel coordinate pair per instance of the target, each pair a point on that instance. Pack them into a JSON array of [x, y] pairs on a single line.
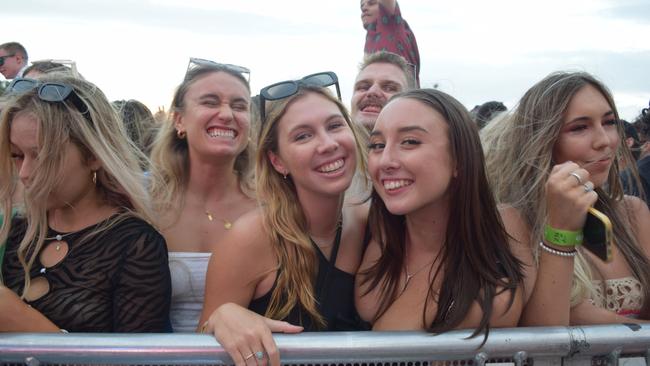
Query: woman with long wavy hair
[[551, 159], [439, 258], [81, 255], [294, 258], [201, 176]]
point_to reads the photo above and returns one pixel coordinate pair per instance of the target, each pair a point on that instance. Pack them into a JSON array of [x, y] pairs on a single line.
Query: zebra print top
[[115, 277]]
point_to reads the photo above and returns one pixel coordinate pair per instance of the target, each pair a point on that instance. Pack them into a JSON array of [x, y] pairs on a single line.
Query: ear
[[178, 121], [93, 163], [277, 163]]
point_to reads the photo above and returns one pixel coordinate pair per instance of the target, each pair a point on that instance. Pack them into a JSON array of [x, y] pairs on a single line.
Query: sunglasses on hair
[[50, 92], [285, 89], [196, 62], [2, 58]]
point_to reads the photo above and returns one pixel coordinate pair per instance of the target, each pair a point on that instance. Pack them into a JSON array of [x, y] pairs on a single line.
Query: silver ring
[[577, 177], [589, 187], [259, 355]]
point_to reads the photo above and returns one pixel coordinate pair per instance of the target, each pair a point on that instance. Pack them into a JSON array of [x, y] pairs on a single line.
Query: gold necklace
[[58, 239], [226, 224]]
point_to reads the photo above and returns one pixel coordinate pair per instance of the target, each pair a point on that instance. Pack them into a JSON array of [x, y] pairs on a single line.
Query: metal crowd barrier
[[623, 344]]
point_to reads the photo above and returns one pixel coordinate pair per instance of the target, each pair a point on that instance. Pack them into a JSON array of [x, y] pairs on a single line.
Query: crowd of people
[[240, 215]]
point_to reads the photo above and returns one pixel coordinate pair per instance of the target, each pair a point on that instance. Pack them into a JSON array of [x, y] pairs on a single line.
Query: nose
[[603, 137], [388, 161], [327, 144], [24, 169], [375, 89], [225, 112]]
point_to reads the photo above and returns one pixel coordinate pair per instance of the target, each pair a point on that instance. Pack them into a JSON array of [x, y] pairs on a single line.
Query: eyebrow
[[585, 118], [401, 130], [328, 119], [215, 96]]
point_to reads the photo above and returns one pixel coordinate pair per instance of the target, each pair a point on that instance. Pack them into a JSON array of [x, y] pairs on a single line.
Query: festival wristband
[[563, 238]]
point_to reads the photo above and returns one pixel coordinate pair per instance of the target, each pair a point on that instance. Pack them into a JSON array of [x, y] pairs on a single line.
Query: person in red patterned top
[[388, 31]]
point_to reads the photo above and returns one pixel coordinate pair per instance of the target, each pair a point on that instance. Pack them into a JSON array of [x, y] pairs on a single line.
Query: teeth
[[394, 184], [216, 132], [331, 166]]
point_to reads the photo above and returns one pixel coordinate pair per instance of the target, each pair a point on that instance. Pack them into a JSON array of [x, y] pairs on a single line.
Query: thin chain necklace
[[226, 224], [408, 275], [58, 239]]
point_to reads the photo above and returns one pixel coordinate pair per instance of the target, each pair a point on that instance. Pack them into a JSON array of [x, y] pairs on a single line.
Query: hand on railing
[[246, 335]]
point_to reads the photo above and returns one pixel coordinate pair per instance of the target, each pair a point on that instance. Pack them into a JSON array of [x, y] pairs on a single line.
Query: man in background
[[386, 30], [381, 75], [13, 60]]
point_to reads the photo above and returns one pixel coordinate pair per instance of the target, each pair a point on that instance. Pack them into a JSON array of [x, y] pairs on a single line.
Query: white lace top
[[188, 285], [621, 295]]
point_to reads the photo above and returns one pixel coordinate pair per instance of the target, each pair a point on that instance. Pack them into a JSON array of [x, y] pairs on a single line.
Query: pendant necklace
[[58, 239], [226, 224], [411, 275]]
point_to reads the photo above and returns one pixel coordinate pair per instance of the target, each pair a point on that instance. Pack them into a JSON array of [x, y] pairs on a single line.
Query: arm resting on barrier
[[17, 316], [586, 313]]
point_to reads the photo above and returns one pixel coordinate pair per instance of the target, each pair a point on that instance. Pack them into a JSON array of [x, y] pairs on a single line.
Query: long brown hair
[[284, 218], [520, 159], [475, 258]]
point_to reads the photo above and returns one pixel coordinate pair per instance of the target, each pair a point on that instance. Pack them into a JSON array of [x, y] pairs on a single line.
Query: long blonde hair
[[519, 152], [170, 155], [102, 136], [284, 218]]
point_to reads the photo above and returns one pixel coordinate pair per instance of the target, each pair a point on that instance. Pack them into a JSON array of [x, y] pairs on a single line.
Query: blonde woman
[[82, 256], [551, 159], [201, 178], [294, 259]]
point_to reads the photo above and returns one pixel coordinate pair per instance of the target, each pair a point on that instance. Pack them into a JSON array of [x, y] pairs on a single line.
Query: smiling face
[[374, 85], [589, 135], [215, 116], [316, 147], [76, 169], [410, 161], [369, 12]]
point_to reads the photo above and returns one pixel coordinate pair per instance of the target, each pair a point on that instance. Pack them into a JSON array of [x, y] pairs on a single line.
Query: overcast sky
[[476, 50]]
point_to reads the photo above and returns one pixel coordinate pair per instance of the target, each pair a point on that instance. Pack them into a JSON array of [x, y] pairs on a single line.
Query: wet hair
[[475, 258]]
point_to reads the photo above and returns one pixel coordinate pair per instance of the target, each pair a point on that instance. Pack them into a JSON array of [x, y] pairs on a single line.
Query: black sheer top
[[116, 280], [334, 293]]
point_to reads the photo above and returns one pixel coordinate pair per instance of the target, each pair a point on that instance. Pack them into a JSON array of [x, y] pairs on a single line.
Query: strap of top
[[322, 292]]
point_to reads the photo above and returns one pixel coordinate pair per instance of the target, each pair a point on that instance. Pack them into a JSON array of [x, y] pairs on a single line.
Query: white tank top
[[188, 285]]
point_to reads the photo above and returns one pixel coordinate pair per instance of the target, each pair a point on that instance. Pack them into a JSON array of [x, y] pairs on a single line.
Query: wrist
[[562, 238]]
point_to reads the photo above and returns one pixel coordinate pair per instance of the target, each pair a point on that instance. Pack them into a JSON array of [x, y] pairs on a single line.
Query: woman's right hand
[[243, 334], [567, 196]]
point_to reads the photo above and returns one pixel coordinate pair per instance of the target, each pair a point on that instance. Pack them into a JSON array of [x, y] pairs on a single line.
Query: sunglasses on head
[[196, 62], [285, 89], [2, 58], [50, 92]]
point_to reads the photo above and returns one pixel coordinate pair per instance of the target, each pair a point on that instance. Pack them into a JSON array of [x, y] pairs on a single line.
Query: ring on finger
[[577, 177], [249, 356], [589, 187], [259, 355]]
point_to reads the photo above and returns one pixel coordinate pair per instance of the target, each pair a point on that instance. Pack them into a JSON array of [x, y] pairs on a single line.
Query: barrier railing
[[543, 346]]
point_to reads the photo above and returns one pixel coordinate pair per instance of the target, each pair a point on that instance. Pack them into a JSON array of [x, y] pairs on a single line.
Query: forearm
[[16, 316], [587, 313], [549, 303]]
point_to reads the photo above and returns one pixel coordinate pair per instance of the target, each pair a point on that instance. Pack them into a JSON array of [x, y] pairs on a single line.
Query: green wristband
[[563, 238]]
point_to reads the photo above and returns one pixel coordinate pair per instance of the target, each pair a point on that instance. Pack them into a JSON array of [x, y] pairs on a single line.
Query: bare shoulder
[[358, 211], [640, 221], [247, 235]]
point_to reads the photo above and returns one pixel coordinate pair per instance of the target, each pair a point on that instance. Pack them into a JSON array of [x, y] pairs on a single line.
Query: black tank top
[[334, 293]]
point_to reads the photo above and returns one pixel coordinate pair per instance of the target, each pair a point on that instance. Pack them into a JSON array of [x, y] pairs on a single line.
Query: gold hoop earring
[[181, 134]]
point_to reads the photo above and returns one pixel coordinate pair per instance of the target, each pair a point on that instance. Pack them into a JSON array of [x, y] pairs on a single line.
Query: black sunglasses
[[195, 62], [285, 89], [50, 92], [2, 58]]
